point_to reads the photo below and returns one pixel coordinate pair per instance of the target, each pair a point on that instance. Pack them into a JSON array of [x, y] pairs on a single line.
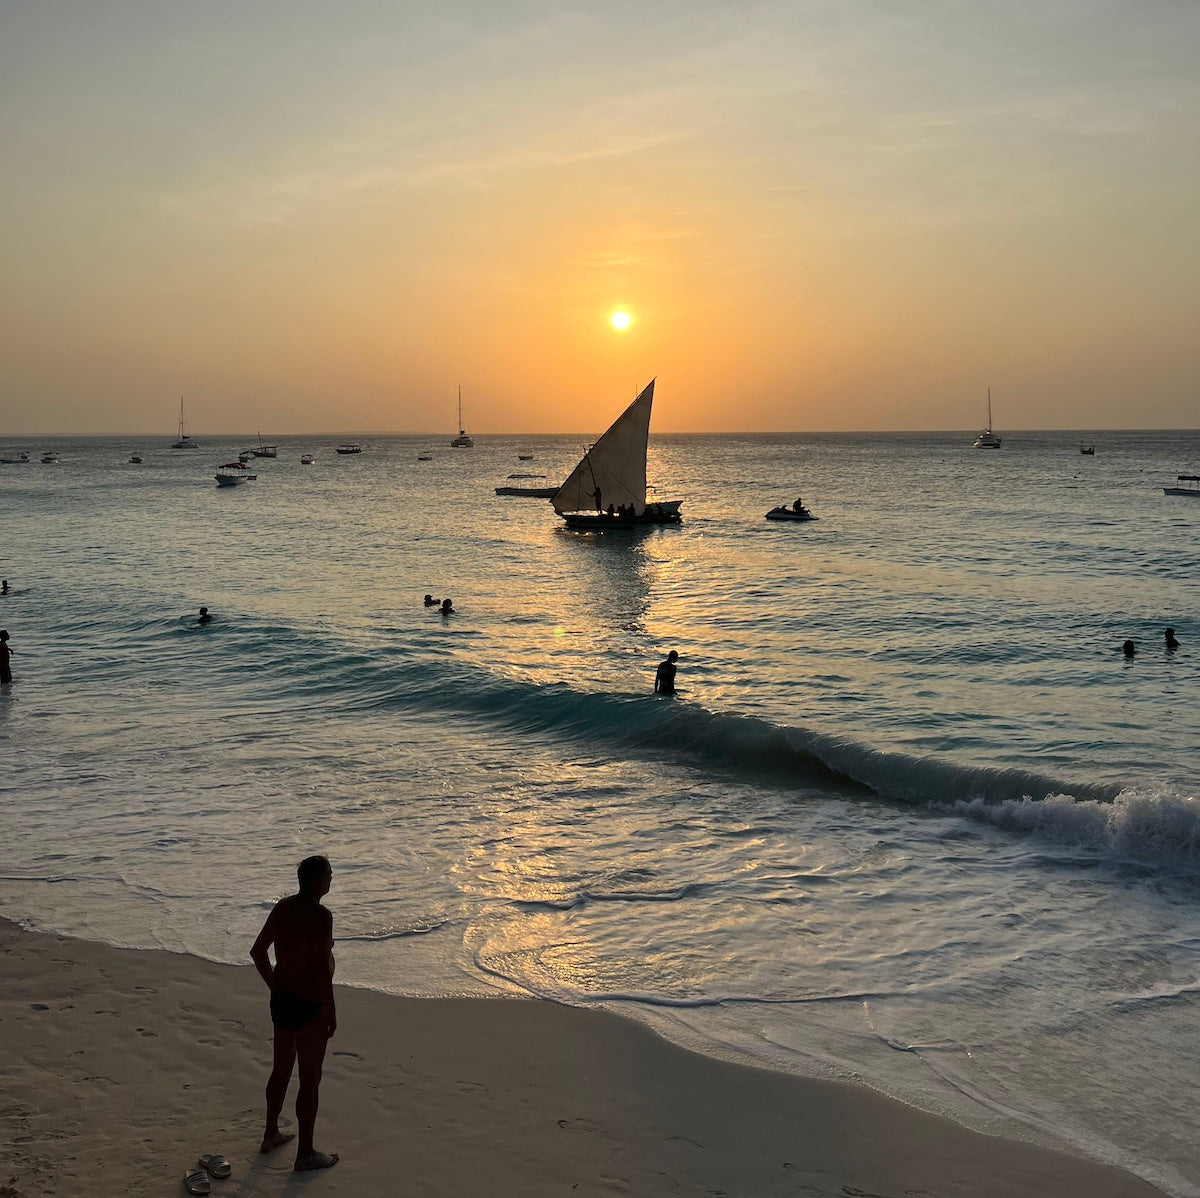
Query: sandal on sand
[[197, 1182], [215, 1165]]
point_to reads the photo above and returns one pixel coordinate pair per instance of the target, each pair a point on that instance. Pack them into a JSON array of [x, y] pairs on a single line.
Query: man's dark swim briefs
[[291, 1012]]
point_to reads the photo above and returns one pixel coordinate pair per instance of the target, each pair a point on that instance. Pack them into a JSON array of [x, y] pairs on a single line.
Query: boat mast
[[989, 424]]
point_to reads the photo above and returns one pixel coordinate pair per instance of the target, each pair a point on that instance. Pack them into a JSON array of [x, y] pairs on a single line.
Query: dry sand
[[119, 1067]]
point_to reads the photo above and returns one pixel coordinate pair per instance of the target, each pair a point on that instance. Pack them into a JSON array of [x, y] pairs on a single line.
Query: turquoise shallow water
[[914, 819]]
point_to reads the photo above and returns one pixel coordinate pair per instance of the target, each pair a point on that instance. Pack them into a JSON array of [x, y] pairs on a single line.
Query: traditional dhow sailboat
[[608, 487]]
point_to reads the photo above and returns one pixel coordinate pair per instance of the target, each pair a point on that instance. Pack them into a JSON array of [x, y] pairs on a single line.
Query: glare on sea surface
[[620, 320]]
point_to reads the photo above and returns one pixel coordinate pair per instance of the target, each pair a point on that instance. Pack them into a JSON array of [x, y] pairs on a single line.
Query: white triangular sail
[[613, 471]]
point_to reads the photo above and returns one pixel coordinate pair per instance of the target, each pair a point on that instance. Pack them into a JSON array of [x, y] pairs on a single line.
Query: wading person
[[302, 1008], [664, 676], [5, 657]]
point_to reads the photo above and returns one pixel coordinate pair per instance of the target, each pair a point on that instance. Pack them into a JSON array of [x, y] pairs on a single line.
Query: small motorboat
[[349, 447], [233, 473], [245, 455], [524, 457], [796, 512], [136, 459], [22, 459], [307, 459], [50, 458], [1191, 490], [424, 457], [529, 492], [1088, 449]]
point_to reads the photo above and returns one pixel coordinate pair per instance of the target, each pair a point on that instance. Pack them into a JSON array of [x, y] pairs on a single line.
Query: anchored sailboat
[[608, 487], [185, 440], [462, 441], [988, 439]]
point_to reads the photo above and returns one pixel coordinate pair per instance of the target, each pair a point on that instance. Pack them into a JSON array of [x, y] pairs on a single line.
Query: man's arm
[[330, 1008], [259, 952]]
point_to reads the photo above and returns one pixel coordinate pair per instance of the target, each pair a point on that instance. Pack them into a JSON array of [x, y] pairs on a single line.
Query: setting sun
[[620, 321]]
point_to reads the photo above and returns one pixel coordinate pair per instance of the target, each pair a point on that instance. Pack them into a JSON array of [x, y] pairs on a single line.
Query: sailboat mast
[[989, 424]]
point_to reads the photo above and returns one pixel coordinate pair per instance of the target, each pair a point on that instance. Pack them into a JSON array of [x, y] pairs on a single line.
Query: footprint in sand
[[345, 1053], [141, 1031], [587, 1125]]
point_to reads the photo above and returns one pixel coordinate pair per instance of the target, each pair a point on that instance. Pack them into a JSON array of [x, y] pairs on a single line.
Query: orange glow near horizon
[[792, 255]]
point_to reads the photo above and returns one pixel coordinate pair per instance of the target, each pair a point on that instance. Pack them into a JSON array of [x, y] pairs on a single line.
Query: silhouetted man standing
[[302, 1008]]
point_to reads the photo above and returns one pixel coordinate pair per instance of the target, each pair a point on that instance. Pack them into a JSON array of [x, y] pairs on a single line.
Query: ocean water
[[914, 820]]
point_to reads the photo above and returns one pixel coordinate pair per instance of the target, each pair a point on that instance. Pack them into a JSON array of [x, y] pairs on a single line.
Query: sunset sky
[[819, 214]]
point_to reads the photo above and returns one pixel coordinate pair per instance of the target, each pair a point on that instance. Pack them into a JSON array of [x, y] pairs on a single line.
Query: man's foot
[[316, 1160], [271, 1142]]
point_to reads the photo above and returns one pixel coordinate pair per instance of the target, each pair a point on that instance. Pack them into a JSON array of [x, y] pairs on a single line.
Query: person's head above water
[[447, 605], [313, 873], [1128, 648]]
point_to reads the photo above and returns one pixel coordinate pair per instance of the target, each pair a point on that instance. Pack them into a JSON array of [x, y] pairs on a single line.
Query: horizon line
[[1073, 432]]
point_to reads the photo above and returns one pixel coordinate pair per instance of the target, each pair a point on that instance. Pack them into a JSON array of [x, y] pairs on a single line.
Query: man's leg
[[277, 1084], [310, 1051]]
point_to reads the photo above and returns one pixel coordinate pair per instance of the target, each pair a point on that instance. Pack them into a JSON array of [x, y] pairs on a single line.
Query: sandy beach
[[121, 1066]]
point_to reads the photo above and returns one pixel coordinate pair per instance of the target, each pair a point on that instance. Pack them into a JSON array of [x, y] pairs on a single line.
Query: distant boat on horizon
[[987, 439], [186, 441], [462, 441]]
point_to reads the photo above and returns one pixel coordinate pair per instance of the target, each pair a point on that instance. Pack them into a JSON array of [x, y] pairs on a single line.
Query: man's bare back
[[302, 932]]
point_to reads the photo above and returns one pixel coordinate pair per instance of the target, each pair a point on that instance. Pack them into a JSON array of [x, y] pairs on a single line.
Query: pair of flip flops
[[209, 1165]]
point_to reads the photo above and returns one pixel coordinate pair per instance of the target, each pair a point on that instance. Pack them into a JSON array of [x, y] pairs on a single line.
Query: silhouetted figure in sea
[[1169, 638], [430, 601], [302, 1006], [4, 586], [1129, 648], [204, 617], [447, 608], [5, 657], [664, 676]]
